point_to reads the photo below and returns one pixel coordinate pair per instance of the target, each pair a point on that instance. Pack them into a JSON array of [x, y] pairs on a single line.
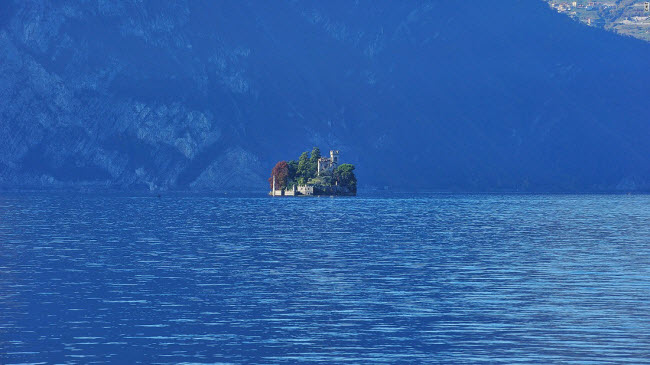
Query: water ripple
[[413, 279]]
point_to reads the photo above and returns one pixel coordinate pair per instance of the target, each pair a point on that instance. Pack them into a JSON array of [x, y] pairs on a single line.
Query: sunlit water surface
[[400, 279]]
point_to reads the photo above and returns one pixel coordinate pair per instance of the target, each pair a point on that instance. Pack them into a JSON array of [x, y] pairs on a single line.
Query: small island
[[313, 175]]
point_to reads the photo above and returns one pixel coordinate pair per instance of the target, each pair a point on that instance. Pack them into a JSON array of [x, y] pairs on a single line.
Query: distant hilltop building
[[328, 164]]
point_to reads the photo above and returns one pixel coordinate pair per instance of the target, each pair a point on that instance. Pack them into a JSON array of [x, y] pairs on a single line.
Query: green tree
[[293, 171], [313, 162], [303, 166], [344, 176], [315, 155]]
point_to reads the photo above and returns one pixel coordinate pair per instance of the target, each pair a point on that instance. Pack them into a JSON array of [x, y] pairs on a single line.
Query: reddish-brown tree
[[281, 172]]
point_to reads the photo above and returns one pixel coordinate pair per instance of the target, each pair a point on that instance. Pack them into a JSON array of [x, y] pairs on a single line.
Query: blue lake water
[[401, 279]]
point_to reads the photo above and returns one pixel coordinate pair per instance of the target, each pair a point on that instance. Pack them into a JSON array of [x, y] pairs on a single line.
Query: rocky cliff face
[[209, 95]]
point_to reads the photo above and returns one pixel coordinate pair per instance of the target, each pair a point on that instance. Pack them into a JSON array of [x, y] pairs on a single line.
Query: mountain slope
[[437, 95]]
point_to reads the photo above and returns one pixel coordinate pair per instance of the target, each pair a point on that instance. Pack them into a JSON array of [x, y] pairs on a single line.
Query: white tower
[[334, 158]]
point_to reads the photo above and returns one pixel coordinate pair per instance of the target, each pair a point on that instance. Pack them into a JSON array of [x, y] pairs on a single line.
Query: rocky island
[[313, 175]]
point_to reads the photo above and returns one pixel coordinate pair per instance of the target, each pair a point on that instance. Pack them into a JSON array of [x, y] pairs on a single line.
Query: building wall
[[328, 164], [306, 190]]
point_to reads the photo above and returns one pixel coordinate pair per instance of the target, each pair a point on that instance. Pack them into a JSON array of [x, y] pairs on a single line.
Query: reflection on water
[[422, 278]]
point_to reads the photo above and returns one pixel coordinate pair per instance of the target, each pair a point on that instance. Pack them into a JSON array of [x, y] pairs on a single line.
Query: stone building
[[328, 164], [305, 190], [296, 190]]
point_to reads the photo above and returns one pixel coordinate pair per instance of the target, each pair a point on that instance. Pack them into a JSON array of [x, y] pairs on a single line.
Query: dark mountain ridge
[[437, 95]]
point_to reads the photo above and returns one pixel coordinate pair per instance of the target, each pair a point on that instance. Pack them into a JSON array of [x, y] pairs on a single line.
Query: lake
[[403, 278]]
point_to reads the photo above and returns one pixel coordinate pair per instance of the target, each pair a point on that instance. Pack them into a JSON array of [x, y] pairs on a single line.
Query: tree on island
[[293, 170], [313, 161], [344, 176], [304, 167], [281, 173]]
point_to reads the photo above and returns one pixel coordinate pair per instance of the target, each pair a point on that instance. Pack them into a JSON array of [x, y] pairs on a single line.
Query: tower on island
[[328, 164]]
